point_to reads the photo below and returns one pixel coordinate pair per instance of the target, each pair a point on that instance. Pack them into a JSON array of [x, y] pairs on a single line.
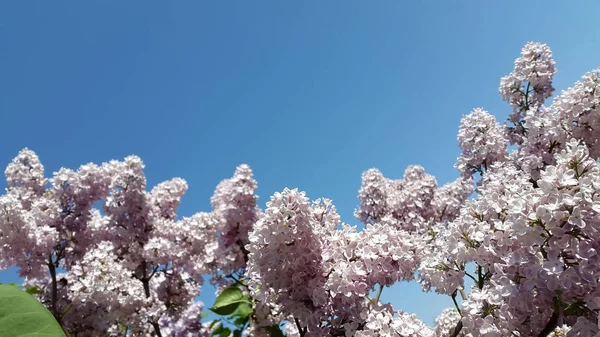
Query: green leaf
[[241, 315], [210, 326], [243, 311], [218, 330], [228, 301], [237, 333], [21, 315], [240, 321], [34, 290], [205, 314], [275, 331], [225, 332]]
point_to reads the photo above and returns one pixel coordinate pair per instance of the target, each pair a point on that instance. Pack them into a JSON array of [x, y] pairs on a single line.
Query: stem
[[146, 288], [54, 295], [237, 281], [551, 325], [376, 299], [300, 330], [242, 247], [462, 294], [480, 277], [471, 276], [456, 303], [146, 282], [66, 310], [156, 329], [64, 330], [456, 330]]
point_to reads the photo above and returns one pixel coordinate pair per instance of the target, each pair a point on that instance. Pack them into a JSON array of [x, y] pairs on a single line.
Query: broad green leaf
[[205, 314], [21, 315], [228, 301], [243, 310], [240, 316], [237, 333]]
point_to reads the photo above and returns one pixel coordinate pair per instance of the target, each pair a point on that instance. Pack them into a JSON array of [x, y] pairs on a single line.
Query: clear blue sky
[[309, 93]]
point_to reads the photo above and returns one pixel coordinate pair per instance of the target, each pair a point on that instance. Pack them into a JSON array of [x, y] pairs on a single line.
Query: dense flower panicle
[[128, 205], [165, 198], [378, 255], [411, 200], [446, 322], [437, 271], [26, 174], [187, 324], [27, 236], [77, 192], [285, 261], [234, 204], [103, 289], [196, 236], [573, 114], [482, 142], [528, 85], [381, 321], [358, 261], [26, 227], [404, 204], [578, 112], [373, 196], [545, 137], [449, 199]]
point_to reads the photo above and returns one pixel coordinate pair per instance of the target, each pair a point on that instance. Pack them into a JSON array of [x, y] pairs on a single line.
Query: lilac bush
[[521, 223]]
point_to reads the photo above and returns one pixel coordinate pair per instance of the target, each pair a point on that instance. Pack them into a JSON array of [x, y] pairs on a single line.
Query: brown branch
[[457, 329], [156, 329], [551, 325], [146, 282], [54, 291], [301, 331]]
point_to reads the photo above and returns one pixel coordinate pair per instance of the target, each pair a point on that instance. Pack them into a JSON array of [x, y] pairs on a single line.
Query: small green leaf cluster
[[237, 311]]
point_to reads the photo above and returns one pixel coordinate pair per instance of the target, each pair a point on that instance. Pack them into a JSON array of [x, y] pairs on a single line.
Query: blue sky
[[309, 93]]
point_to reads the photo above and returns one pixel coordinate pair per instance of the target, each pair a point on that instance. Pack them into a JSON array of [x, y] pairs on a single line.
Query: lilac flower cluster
[[527, 86], [482, 142], [234, 204]]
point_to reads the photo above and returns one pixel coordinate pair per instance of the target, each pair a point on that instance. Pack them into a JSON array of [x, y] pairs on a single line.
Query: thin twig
[[456, 303], [376, 299], [300, 330]]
